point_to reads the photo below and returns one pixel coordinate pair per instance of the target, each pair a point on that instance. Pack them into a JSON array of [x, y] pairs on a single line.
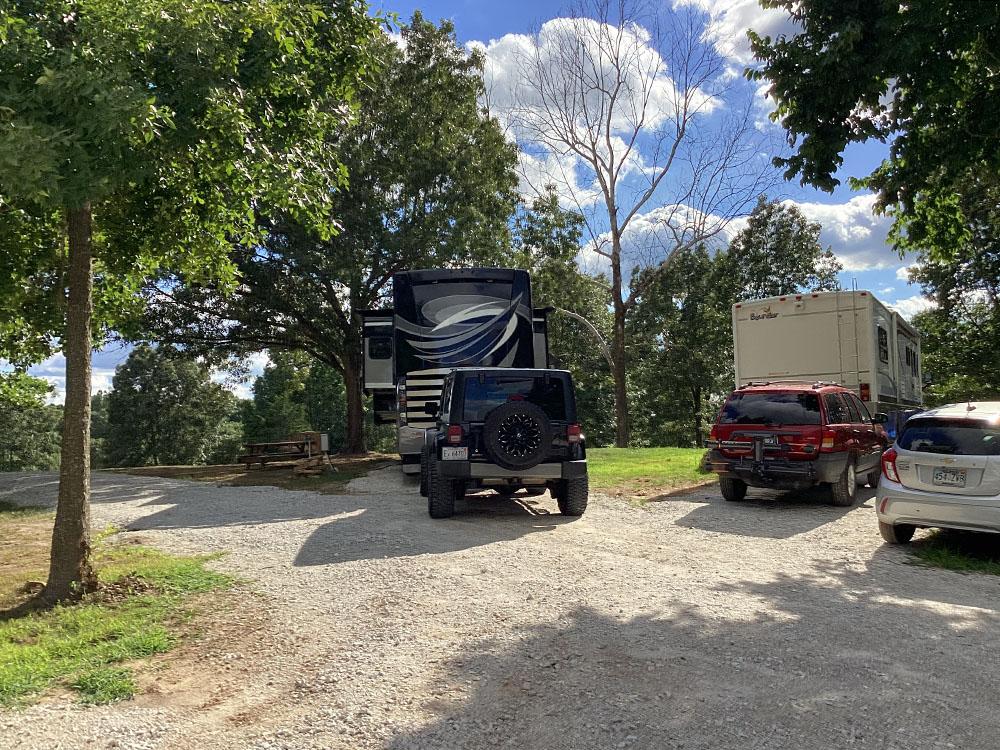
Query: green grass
[[11, 511], [964, 552], [86, 646], [645, 471]]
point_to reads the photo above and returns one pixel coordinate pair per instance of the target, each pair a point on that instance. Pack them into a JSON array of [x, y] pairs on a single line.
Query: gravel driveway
[[694, 623]]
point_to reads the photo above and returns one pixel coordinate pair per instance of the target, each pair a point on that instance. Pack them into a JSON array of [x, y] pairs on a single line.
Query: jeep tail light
[[889, 465], [455, 434], [866, 391], [829, 440], [574, 434]]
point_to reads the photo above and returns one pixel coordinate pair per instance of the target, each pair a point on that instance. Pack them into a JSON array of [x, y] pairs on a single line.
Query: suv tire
[[900, 533], [844, 491], [517, 435], [873, 477], [733, 489], [423, 472], [571, 496], [442, 492]]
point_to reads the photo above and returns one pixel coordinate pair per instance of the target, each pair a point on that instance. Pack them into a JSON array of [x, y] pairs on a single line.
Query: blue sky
[[849, 227]]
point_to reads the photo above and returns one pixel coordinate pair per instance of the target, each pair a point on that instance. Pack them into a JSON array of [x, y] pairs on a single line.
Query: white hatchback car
[[943, 472]]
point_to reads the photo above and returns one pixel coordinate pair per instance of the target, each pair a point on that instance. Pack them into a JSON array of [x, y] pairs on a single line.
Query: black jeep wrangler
[[504, 429]]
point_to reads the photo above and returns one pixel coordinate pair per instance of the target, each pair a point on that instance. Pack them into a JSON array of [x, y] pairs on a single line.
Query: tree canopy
[[431, 184], [921, 76], [143, 135], [779, 252], [164, 409], [29, 438]]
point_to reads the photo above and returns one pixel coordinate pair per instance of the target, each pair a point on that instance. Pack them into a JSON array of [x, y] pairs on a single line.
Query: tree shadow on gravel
[[767, 514], [832, 658], [402, 528]]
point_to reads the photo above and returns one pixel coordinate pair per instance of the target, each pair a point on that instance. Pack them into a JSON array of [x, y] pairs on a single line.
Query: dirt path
[[692, 623]]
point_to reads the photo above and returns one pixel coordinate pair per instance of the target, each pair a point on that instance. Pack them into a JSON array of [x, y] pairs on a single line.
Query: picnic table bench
[[306, 446]]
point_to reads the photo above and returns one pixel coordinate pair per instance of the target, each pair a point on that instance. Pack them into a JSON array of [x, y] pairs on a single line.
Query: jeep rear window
[[483, 396], [953, 437], [771, 409]]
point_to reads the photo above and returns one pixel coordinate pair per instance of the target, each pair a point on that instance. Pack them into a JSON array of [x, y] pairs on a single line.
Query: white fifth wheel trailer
[[845, 337]]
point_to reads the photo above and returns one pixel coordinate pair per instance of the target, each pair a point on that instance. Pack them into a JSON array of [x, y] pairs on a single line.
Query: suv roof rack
[[814, 384]]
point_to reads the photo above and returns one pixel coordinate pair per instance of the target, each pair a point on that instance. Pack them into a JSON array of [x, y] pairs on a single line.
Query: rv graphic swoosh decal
[[466, 328]]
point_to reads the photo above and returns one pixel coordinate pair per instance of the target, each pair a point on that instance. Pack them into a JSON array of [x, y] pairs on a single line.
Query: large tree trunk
[[355, 437], [70, 571], [618, 349]]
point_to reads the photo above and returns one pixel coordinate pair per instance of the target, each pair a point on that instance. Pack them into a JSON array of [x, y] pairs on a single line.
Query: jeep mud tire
[[571, 496], [442, 491], [517, 435]]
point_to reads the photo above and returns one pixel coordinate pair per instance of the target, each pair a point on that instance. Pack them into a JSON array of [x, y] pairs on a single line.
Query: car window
[[836, 410], [483, 395], [771, 408], [859, 405], [852, 407], [954, 437]]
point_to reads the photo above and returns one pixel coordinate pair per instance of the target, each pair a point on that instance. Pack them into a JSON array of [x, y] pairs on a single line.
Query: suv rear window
[[954, 437], [771, 408], [483, 396]]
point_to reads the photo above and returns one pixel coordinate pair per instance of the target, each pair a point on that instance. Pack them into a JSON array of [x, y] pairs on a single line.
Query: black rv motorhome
[[442, 319]]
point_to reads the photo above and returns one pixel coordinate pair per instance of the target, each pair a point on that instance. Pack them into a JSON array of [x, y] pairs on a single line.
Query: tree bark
[[618, 344], [355, 437], [70, 572]]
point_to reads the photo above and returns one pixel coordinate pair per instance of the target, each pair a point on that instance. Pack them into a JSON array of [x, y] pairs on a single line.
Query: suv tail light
[[455, 434], [574, 434], [889, 465], [866, 391], [829, 441]]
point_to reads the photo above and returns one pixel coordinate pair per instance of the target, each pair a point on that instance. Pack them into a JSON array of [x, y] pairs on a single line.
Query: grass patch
[[9, 511], [278, 474], [966, 552], [645, 472], [87, 646]]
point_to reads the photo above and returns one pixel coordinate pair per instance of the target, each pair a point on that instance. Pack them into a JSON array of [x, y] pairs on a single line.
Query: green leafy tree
[[547, 242], [142, 135], [29, 436], [920, 75], [779, 252], [164, 409], [960, 335], [431, 184], [99, 430], [278, 407], [682, 346]]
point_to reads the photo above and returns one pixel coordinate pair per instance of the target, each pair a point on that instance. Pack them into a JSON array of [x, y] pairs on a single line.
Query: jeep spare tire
[[517, 435]]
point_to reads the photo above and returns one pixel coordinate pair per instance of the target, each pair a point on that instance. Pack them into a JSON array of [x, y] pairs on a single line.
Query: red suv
[[792, 436]]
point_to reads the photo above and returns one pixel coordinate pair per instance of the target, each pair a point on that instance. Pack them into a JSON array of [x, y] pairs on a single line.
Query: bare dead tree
[[613, 103]]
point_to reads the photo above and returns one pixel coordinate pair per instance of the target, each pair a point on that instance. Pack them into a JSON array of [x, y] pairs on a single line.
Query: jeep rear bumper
[[778, 472], [540, 472]]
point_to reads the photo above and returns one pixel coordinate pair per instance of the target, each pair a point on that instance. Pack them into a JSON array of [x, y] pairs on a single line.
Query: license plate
[[455, 454], [771, 440], [949, 477]]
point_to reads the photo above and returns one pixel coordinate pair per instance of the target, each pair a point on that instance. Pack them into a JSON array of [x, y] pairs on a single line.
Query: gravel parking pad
[[692, 622]]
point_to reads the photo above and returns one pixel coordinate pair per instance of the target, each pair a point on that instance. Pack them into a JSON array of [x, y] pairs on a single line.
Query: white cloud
[[903, 273], [856, 234], [53, 371], [729, 21], [910, 306]]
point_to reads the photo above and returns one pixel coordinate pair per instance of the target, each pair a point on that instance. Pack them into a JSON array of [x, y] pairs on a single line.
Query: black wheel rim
[[519, 436]]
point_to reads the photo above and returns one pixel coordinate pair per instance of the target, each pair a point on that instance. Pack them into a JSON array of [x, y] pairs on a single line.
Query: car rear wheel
[[571, 496], [442, 492], [873, 477], [896, 533], [733, 489], [845, 489]]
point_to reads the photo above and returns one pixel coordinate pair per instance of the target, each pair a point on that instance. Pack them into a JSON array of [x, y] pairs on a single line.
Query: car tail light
[[455, 434], [866, 391], [574, 434], [889, 465], [829, 440]]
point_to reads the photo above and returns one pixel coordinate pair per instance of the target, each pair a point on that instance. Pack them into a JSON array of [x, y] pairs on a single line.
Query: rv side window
[[883, 344], [380, 347]]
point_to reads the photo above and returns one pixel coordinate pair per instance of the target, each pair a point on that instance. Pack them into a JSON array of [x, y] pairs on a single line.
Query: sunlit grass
[[645, 471]]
